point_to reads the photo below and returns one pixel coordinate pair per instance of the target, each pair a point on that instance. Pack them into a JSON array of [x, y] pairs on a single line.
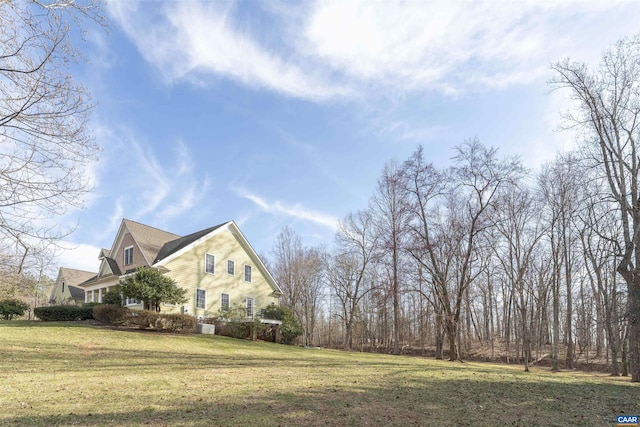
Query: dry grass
[[70, 374]]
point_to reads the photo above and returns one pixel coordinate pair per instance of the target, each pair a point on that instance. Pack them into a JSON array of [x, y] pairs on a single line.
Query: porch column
[[100, 295], [86, 296]]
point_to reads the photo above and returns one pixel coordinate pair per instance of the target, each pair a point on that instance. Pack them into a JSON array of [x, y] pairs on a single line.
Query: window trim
[[250, 273], [233, 264], [222, 301], [253, 304], [207, 254], [195, 302], [132, 301], [124, 255]]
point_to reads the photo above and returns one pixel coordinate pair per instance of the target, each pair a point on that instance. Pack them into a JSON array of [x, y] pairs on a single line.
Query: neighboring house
[[66, 291], [217, 266]]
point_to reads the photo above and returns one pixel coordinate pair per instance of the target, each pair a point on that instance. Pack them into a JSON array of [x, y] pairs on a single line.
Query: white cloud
[[192, 39], [334, 49], [79, 256], [116, 217], [296, 211], [445, 45]]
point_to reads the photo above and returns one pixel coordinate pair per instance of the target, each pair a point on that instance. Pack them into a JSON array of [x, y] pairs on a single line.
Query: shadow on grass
[[434, 403], [122, 379]]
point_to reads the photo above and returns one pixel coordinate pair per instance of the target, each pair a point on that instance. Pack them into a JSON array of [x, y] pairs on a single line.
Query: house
[[217, 266], [66, 290]]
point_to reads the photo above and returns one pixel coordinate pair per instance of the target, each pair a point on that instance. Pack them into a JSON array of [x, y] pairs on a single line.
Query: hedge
[[57, 313], [146, 319], [111, 314]]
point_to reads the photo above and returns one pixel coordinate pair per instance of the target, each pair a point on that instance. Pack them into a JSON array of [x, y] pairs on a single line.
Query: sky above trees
[[278, 113]]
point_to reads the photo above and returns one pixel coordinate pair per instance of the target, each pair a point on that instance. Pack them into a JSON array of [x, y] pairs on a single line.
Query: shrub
[[113, 297], [64, 312], [110, 313], [290, 328], [12, 307], [146, 319]]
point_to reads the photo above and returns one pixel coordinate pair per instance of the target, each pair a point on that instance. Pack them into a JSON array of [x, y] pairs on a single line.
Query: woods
[[485, 259]]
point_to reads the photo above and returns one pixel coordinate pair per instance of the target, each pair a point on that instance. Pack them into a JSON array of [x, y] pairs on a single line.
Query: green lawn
[[58, 374]]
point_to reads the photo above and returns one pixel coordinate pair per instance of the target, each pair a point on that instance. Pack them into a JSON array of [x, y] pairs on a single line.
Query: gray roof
[[177, 244], [149, 239], [113, 265], [76, 293], [73, 277]]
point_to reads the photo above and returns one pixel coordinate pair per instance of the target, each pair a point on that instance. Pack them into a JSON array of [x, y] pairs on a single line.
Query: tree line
[[484, 258]]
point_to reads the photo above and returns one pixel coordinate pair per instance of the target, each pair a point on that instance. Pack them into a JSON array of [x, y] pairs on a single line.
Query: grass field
[[59, 374]]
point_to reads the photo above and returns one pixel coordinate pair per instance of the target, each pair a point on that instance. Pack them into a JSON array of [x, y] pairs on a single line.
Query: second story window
[[128, 255], [231, 267], [210, 263], [247, 273]]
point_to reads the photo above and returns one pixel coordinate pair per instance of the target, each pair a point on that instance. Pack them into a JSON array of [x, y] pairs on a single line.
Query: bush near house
[[146, 319], [113, 297], [58, 313], [10, 308], [290, 328], [111, 314], [234, 323]]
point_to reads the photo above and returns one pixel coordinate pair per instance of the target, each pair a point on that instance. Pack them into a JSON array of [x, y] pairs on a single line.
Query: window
[[210, 263], [231, 267], [201, 298], [62, 287], [128, 255], [247, 273], [130, 301], [224, 302], [249, 307]]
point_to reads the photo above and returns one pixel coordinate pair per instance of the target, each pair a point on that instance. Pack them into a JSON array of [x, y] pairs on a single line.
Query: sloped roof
[[76, 293], [149, 239], [177, 244], [74, 277], [113, 265]]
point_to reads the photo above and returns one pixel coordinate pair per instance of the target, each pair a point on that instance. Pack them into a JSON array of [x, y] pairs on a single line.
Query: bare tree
[[452, 210], [44, 139], [349, 271], [298, 270], [559, 184], [390, 211], [521, 233], [608, 112]]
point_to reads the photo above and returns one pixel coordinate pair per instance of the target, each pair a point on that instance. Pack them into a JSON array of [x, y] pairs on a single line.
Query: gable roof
[[184, 244], [174, 246], [149, 239], [113, 265], [76, 292], [74, 277]]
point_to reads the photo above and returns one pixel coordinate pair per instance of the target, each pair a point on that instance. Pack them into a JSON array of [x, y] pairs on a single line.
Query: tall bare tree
[[390, 210], [559, 183], [452, 211], [44, 139], [608, 112], [521, 233], [349, 270], [298, 269]]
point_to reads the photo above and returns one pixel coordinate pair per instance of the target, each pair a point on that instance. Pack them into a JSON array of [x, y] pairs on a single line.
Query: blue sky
[[283, 113]]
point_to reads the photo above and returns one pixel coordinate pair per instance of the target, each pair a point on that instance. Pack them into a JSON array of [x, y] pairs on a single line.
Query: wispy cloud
[[338, 49], [297, 211], [159, 187], [193, 40]]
